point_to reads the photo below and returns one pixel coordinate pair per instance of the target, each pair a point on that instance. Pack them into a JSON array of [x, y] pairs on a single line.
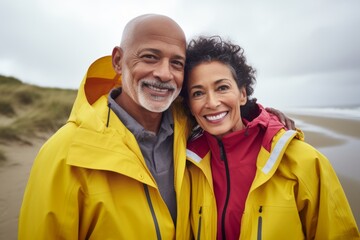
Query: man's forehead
[[156, 39], [154, 27], [160, 45], [158, 30]]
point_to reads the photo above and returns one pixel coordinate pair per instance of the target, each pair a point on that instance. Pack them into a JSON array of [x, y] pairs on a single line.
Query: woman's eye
[[197, 94], [223, 88]]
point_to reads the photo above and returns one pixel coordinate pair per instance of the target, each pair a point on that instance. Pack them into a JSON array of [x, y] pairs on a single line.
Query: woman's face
[[215, 98]]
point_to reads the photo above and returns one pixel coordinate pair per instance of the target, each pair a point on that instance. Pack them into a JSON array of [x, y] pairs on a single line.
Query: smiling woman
[[255, 175], [215, 103]]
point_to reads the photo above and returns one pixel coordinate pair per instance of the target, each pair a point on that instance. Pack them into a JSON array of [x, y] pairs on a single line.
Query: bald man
[[116, 170]]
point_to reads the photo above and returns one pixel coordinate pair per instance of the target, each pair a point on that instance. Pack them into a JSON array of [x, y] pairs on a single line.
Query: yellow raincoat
[[90, 180], [295, 195]]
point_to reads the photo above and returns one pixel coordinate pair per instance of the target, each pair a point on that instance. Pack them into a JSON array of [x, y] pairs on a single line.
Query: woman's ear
[[117, 55], [243, 96]]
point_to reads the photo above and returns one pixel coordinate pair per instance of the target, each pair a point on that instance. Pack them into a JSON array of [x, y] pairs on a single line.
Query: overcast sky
[[306, 53]]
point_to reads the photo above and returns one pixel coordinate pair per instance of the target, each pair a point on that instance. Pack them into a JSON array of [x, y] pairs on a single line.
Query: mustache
[[158, 84]]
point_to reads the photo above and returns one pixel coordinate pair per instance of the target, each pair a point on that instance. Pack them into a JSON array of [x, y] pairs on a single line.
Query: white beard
[[150, 102]]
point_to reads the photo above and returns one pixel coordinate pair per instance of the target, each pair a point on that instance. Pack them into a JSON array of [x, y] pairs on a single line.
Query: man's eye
[[149, 56], [178, 64]]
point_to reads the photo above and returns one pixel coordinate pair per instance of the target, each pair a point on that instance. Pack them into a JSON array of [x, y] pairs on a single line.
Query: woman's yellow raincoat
[[295, 195]]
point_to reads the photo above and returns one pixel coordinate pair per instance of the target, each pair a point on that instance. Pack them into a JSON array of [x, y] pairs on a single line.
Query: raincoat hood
[[98, 81]]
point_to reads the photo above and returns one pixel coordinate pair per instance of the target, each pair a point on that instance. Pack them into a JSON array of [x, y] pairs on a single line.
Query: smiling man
[[151, 61], [116, 170]]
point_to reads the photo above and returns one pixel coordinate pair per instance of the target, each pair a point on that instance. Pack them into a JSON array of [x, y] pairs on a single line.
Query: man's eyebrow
[[179, 57], [157, 51], [150, 50]]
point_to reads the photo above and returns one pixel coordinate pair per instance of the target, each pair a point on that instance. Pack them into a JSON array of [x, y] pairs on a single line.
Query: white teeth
[[216, 117], [158, 89]]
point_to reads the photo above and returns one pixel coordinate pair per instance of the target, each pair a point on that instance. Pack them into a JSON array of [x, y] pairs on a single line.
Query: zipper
[[199, 225], [224, 158], [108, 115], [259, 234], [156, 223]]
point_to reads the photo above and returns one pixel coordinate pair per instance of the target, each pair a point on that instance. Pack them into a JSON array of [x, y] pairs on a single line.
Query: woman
[[252, 179]]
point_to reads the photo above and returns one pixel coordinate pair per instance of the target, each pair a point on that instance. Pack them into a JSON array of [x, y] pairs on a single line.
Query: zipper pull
[[259, 235], [199, 224], [222, 151]]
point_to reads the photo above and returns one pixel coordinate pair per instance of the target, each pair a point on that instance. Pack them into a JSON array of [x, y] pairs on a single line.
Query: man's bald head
[[151, 60], [151, 25]]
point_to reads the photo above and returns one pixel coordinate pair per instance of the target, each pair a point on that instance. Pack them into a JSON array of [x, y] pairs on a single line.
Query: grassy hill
[[27, 110]]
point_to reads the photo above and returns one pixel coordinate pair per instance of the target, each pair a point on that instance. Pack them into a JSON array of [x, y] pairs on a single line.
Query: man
[[101, 178]]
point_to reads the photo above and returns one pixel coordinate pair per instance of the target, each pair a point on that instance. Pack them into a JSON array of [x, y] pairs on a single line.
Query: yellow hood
[[98, 81]]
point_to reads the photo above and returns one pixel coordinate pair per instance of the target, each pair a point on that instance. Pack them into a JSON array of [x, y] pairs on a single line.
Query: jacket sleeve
[[51, 202], [324, 210]]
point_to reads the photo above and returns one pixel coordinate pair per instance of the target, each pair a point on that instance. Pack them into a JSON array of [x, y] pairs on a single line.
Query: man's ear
[[117, 55]]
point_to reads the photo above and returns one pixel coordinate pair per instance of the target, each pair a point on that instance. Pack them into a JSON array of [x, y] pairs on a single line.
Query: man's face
[[153, 70]]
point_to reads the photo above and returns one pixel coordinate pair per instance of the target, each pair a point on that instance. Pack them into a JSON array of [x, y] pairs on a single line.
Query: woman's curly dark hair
[[214, 48]]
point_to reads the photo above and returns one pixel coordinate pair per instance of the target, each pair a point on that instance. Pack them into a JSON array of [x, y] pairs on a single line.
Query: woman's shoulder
[[304, 159]]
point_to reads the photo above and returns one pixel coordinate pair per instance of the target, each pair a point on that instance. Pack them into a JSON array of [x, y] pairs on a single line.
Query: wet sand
[[338, 139]]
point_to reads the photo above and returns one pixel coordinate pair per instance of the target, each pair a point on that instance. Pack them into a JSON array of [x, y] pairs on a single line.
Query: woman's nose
[[212, 101]]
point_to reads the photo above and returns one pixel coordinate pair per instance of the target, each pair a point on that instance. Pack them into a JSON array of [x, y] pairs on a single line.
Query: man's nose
[[163, 71]]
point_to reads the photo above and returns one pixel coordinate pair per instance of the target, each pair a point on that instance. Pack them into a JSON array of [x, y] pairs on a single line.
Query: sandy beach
[[338, 139]]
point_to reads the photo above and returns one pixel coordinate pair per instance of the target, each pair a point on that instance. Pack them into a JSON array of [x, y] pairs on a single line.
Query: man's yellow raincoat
[[90, 180]]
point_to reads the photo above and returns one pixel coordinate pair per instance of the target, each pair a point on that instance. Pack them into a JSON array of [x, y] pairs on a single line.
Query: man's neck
[[149, 120]]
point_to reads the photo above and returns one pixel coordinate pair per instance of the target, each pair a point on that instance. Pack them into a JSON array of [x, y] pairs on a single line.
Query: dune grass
[[27, 109]]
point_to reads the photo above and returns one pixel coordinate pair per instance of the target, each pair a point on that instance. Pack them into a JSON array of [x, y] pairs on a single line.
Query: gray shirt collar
[[166, 126]]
